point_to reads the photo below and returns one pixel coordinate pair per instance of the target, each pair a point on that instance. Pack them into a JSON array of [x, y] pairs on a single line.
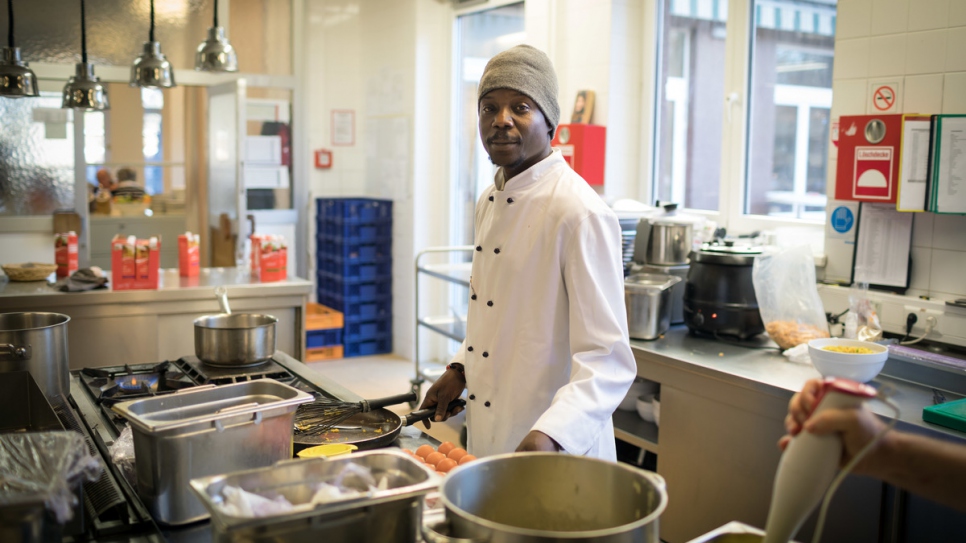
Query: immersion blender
[[809, 463]]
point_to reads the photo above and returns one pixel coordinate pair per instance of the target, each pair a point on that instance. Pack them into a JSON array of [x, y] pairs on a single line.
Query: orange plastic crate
[[320, 317], [332, 352]]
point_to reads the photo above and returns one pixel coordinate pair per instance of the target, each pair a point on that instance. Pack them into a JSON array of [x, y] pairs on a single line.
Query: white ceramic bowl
[[857, 367], [639, 388], [645, 407]]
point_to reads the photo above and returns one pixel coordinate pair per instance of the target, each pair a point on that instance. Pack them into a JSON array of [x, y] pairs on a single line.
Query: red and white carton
[[135, 264], [189, 255], [256, 252], [272, 259], [65, 253]]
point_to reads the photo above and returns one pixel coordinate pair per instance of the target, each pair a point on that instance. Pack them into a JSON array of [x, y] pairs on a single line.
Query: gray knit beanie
[[527, 70]]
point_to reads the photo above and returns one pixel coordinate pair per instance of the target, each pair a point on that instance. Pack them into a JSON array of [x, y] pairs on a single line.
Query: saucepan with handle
[[234, 339]]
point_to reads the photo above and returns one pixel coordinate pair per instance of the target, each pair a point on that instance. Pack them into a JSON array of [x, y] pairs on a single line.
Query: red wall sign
[[868, 163]]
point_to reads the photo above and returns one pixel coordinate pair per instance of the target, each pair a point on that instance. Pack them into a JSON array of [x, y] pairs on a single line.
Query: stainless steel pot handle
[[17, 352], [237, 407], [222, 294], [430, 535]]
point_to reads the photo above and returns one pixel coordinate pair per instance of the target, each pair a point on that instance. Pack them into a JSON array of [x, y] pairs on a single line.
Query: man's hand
[[538, 441], [447, 388]]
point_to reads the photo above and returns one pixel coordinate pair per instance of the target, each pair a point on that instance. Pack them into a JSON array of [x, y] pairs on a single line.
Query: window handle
[[730, 101]]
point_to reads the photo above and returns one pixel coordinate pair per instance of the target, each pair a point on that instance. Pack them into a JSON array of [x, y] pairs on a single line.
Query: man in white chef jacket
[[546, 358]]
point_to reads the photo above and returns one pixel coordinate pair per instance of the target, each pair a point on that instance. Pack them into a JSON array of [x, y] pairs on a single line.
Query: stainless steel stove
[[113, 511]]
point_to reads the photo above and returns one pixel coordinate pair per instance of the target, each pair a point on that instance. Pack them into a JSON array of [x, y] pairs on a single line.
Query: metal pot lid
[[728, 254], [650, 281]]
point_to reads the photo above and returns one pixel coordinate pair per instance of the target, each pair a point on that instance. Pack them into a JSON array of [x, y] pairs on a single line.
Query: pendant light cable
[[83, 35], [216, 14], [151, 33], [10, 23]]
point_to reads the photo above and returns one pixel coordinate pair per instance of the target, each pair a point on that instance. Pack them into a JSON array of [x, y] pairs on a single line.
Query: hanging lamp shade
[[151, 69], [215, 54], [17, 80], [84, 90]]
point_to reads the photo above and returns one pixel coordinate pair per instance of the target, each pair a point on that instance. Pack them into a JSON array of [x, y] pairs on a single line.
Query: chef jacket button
[[472, 396], [491, 197], [470, 348], [479, 248], [487, 404], [497, 250], [485, 354], [489, 303], [509, 200], [473, 297]]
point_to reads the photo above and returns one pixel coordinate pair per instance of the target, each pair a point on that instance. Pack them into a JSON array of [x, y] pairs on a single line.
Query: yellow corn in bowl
[[847, 358]]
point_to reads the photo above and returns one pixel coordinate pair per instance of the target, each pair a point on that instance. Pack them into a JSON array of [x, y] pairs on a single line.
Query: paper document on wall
[[882, 247], [913, 164], [948, 190]]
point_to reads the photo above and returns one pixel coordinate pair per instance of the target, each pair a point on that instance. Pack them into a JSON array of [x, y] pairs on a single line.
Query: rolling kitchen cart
[[454, 270]]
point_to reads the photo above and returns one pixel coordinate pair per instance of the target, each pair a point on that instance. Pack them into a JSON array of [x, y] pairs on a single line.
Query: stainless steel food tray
[[391, 515]]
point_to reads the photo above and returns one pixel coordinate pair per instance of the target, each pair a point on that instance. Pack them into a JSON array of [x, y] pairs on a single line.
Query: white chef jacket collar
[[531, 175]]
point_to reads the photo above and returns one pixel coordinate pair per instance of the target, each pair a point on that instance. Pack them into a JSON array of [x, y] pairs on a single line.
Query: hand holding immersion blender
[[810, 462]]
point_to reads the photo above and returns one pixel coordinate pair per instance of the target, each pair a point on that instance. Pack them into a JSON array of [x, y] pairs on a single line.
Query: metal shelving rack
[[457, 273]]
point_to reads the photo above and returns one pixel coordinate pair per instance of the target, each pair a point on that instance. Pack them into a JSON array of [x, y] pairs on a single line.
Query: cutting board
[[949, 414], [66, 221]]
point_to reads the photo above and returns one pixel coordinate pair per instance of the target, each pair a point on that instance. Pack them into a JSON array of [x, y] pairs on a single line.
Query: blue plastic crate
[[323, 338], [353, 210], [356, 292], [370, 251], [378, 345], [357, 332], [324, 278], [351, 270], [358, 311], [380, 230]]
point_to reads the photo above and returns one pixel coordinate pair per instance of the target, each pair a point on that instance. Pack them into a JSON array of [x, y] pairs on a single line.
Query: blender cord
[[820, 524]]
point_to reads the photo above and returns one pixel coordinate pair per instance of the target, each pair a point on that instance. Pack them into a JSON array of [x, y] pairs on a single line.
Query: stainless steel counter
[[109, 328], [722, 412], [21, 296], [759, 365]]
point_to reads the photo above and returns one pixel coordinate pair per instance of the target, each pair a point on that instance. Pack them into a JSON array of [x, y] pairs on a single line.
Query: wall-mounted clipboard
[[883, 247]]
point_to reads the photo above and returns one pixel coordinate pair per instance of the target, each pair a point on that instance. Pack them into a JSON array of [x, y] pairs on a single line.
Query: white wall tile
[[922, 226], [946, 274], [923, 94], [886, 55], [957, 13], [929, 14], [925, 52], [949, 232], [889, 16], [954, 93], [848, 97], [956, 49], [921, 266], [854, 19], [851, 58]]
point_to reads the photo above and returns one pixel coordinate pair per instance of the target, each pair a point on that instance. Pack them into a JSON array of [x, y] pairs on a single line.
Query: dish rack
[[451, 264]]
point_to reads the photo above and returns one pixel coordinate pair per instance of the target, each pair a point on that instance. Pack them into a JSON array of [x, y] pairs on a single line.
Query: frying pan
[[377, 428], [234, 339]]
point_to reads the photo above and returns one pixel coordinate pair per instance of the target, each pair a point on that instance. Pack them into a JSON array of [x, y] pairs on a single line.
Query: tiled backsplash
[[921, 44]]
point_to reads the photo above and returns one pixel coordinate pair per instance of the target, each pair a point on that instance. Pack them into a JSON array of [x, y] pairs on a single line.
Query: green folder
[[949, 414], [937, 183]]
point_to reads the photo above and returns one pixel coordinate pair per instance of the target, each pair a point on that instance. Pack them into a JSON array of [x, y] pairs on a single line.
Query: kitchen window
[[744, 91]]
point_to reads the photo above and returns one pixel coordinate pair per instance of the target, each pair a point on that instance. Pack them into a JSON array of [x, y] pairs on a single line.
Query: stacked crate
[[354, 257], [323, 333]]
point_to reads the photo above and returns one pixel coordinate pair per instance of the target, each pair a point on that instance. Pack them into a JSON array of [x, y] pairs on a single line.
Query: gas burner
[[111, 385], [205, 374]]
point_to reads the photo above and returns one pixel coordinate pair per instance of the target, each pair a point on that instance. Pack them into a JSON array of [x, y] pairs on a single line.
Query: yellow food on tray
[[848, 350]]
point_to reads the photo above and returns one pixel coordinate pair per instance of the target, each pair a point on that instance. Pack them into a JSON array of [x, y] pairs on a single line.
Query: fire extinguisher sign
[[873, 173]]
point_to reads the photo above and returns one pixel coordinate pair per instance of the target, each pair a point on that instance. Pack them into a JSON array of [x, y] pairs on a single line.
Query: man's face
[[514, 131]]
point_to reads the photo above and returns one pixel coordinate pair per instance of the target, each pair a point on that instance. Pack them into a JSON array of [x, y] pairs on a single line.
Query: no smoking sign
[[884, 97]]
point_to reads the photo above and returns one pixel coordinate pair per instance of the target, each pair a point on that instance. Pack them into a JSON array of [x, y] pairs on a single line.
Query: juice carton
[[65, 253], [141, 249], [256, 252], [135, 264], [128, 256], [188, 255], [273, 259]]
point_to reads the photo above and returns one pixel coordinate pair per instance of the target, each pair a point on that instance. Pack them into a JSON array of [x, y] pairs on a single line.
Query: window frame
[[736, 125]]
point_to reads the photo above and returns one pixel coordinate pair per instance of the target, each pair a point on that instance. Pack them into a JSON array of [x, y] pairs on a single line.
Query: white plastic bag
[[787, 296], [122, 455]]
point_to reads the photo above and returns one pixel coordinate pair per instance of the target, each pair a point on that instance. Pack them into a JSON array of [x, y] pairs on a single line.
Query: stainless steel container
[[663, 241], [551, 497], [37, 342], [234, 339], [387, 516], [203, 431], [677, 291], [647, 297]]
